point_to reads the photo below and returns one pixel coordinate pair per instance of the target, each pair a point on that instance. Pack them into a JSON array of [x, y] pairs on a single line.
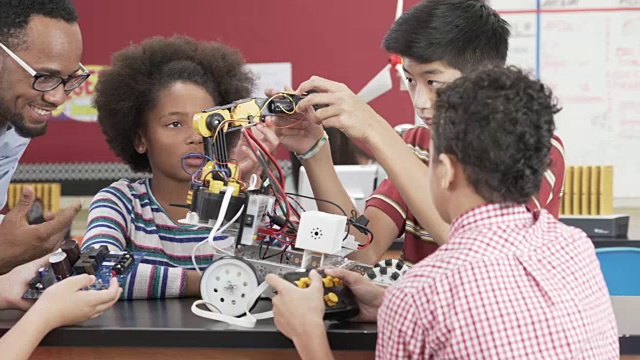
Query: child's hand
[[368, 295], [65, 303], [14, 284], [296, 133], [298, 312], [342, 109], [21, 242]]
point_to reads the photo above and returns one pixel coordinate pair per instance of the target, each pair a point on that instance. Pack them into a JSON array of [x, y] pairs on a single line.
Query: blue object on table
[[621, 269]]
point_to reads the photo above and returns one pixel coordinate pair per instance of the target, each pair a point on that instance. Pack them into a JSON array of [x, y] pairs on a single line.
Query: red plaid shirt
[[418, 244], [505, 286]]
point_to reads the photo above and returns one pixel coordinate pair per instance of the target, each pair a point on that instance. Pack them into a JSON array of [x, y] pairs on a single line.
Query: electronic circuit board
[[111, 263]]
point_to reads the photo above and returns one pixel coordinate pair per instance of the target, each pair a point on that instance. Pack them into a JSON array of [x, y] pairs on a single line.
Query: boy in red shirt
[[439, 41]]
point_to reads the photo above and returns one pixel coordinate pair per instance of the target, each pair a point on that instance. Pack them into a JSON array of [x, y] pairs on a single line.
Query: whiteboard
[[588, 52]]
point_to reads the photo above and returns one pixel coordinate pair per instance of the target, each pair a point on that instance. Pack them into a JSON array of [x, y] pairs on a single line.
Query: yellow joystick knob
[[303, 283], [328, 282], [331, 299]]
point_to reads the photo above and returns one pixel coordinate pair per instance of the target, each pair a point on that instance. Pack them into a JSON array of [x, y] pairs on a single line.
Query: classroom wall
[[588, 53], [336, 39]]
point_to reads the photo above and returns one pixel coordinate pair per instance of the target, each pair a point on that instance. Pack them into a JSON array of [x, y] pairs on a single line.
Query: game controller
[[339, 301]]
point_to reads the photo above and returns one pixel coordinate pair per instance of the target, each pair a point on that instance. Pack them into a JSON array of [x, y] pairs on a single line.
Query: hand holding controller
[[338, 299]]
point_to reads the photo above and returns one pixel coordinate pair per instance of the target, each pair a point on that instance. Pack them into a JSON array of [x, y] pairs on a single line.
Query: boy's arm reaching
[[327, 186], [345, 111]]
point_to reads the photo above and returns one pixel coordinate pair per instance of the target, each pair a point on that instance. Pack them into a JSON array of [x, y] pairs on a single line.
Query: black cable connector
[[359, 223], [362, 220], [278, 220]]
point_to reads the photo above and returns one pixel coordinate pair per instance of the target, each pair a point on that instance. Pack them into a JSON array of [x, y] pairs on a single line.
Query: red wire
[[272, 159], [360, 247], [287, 126], [267, 154], [271, 232], [297, 203], [280, 185]]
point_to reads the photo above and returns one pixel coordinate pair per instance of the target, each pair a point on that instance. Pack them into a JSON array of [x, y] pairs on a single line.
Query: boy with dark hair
[[509, 283], [439, 41]]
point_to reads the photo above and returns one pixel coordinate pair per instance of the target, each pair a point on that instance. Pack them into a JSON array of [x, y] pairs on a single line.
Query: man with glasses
[[41, 46]]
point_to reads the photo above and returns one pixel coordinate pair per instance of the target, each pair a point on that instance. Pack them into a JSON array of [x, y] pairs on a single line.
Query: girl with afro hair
[[146, 102]]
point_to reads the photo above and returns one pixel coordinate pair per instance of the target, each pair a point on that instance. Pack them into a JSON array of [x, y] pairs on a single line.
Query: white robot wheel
[[227, 284]]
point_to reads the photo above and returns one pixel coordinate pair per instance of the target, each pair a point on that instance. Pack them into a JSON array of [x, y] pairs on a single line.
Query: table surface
[[170, 323]]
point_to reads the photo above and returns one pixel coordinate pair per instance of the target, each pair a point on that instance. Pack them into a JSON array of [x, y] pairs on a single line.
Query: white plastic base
[[191, 219]]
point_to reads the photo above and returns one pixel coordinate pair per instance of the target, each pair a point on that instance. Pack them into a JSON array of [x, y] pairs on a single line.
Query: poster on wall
[[79, 105]]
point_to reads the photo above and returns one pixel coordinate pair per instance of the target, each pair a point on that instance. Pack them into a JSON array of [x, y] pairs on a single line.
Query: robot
[[258, 229]]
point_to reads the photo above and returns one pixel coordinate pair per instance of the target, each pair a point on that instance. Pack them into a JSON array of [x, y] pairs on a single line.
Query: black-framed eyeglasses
[[47, 82]]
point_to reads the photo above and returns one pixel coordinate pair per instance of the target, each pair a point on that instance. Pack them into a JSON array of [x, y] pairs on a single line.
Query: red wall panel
[[337, 39]]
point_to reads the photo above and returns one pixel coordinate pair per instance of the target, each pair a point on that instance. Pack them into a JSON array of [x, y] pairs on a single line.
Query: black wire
[[361, 228], [318, 199], [219, 145], [284, 249], [280, 199], [265, 167], [276, 189], [263, 257]]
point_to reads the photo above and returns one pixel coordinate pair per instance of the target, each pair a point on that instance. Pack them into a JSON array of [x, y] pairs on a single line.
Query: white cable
[[253, 182], [248, 321], [223, 212], [193, 256], [213, 243], [225, 227], [210, 239]]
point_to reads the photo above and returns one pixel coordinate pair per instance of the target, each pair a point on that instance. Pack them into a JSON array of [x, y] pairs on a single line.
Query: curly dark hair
[[498, 122], [129, 89], [465, 34], [15, 16]]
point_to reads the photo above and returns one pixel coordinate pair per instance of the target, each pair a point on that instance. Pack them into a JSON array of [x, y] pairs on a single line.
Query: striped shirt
[[418, 244], [127, 216], [509, 284]]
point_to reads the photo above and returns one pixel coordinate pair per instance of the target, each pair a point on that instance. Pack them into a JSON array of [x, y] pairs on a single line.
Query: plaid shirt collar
[[504, 215]]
